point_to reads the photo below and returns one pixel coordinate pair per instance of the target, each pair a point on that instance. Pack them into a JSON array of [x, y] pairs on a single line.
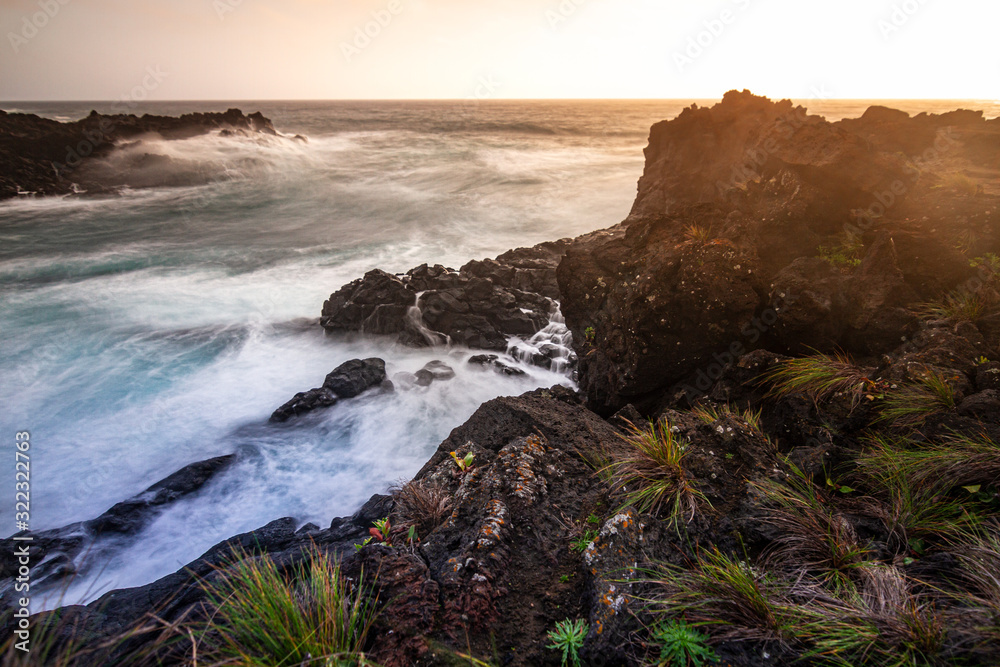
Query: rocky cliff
[[757, 225]]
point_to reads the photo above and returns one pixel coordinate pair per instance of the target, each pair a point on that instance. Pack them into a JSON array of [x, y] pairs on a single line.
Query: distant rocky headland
[[785, 447], [40, 156]]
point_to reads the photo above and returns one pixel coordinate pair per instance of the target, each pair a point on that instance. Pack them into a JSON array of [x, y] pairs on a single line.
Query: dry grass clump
[[812, 533], [733, 598], [423, 504]]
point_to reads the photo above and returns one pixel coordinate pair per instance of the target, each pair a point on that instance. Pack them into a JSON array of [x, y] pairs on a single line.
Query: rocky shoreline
[[42, 157], [810, 310]]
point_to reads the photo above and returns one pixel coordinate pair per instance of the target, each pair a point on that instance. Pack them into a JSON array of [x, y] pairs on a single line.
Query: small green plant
[[730, 456], [465, 462], [847, 254], [380, 530], [990, 260], [593, 519], [651, 476], [266, 615], [568, 637], [580, 544], [681, 645], [982, 360], [589, 334], [565, 579]]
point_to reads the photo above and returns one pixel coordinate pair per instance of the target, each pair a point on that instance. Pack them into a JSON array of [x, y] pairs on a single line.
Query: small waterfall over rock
[[415, 317], [550, 348]]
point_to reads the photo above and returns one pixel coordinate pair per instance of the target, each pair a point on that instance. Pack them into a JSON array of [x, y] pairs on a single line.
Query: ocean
[[143, 332]]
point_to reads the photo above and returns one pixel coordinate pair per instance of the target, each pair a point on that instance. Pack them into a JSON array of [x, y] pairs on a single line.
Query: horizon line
[[800, 100]]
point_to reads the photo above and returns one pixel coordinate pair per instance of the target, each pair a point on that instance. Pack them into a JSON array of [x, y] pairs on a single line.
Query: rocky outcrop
[[758, 225], [479, 306], [350, 379], [56, 551], [45, 157]]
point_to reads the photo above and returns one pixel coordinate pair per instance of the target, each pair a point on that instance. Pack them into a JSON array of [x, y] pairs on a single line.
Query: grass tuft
[[311, 615], [650, 473], [819, 377], [812, 532], [698, 233], [910, 405], [736, 599], [959, 306]]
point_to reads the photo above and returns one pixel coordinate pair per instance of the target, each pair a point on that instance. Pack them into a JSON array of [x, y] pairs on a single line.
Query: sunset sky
[[318, 49]]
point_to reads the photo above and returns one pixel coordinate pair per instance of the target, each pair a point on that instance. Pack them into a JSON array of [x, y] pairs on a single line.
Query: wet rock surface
[[350, 379], [56, 552], [478, 306]]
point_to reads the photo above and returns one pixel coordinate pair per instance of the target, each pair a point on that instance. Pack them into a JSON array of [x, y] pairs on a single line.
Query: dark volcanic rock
[[493, 361], [348, 380], [46, 157], [304, 402], [353, 377], [479, 306], [55, 551], [758, 225], [129, 516]]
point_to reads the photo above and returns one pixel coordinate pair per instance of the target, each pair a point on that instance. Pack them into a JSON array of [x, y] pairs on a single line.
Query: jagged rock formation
[[45, 157], [722, 252], [478, 306]]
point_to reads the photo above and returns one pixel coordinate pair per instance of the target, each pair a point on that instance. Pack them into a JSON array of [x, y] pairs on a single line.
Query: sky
[[517, 49]]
